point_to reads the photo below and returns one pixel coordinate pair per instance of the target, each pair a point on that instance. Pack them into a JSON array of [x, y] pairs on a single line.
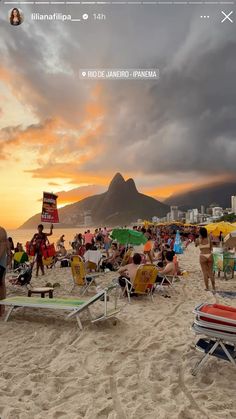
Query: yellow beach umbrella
[[223, 226], [230, 239], [147, 223]]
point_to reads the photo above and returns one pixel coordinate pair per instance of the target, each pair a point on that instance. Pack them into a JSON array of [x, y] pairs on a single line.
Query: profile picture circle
[[16, 16]]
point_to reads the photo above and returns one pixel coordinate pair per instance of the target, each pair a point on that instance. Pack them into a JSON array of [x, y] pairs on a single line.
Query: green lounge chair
[[74, 306]]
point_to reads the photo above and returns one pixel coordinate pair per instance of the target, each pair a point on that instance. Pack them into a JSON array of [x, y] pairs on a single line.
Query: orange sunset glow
[[69, 136], [38, 156]]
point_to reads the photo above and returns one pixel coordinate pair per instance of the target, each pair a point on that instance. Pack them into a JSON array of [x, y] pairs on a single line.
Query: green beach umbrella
[[127, 236]]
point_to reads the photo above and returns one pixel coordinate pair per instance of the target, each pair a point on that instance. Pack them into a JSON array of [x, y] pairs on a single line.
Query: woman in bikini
[[206, 258]]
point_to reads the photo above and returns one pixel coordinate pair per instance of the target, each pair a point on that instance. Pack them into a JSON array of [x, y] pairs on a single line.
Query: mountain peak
[[131, 185], [120, 205], [116, 181]]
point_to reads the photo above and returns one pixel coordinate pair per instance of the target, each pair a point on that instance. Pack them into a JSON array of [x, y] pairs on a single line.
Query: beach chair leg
[[93, 282], [116, 297], [105, 304], [79, 322], [90, 315], [87, 286], [127, 290], [152, 295], [200, 364], [157, 288], [231, 359], [170, 284], [9, 313], [129, 296], [83, 289]]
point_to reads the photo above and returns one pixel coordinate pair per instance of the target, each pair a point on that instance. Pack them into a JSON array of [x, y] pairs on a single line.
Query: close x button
[[227, 16]]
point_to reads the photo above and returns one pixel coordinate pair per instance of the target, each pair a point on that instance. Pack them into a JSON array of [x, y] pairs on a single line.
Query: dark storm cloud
[[185, 122]]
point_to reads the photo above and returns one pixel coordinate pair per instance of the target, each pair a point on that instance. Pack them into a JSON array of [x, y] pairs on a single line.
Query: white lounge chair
[[74, 306], [218, 324]]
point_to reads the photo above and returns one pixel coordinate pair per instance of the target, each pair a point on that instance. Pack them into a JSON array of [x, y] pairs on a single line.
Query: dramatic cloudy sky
[[58, 133]]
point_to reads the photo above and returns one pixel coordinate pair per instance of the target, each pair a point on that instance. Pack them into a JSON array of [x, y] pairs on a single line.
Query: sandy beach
[[138, 367]]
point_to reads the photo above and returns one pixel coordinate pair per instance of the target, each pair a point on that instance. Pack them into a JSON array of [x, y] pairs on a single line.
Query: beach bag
[[30, 249], [48, 250], [64, 263]]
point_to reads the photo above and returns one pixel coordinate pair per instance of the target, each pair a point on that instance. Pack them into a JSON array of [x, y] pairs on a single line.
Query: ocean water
[[22, 236]]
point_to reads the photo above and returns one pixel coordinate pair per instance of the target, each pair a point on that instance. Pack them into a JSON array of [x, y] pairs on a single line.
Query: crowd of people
[[159, 249]]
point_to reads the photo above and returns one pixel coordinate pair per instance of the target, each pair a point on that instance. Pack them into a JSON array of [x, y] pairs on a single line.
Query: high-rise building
[[233, 203], [217, 212], [168, 217], [202, 209], [192, 216], [174, 213]]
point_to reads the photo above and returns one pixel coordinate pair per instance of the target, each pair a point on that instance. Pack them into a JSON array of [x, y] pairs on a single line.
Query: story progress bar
[[130, 3]]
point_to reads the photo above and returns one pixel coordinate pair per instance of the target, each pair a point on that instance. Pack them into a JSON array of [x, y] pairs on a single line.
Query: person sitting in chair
[[129, 271], [169, 269], [114, 254]]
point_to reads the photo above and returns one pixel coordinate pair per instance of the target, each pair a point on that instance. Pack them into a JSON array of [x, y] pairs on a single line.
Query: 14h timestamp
[[99, 16]]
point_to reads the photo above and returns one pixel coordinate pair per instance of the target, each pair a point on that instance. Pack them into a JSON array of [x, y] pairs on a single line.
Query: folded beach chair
[[143, 283], [80, 275], [217, 323], [74, 306]]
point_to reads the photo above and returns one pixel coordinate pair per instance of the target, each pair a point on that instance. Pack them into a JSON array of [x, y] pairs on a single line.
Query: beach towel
[[93, 256]]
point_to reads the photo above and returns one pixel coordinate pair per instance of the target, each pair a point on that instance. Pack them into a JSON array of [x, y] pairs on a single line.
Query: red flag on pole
[[49, 209]]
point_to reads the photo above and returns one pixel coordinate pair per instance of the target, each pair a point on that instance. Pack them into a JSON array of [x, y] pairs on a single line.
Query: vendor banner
[[49, 209]]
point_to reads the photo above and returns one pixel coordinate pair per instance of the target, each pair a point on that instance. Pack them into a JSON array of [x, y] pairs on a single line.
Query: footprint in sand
[[59, 414], [7, 375], [27, 392]]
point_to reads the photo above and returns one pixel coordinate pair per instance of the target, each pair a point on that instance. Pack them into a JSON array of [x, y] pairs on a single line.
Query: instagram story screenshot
[[118, 209]]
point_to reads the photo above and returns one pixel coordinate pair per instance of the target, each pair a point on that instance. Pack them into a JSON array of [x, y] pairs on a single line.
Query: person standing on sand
[[88, 237], [148, 247], [206, 258], [38, 241], [4, 251]]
